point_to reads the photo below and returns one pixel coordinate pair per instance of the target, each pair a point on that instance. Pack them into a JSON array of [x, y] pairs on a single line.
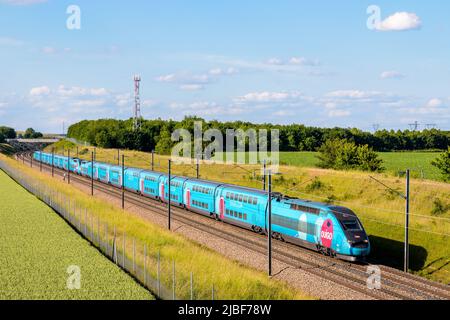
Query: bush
[[342, 154], [439, 207], [315, 185], [443, 164], [2, 138]]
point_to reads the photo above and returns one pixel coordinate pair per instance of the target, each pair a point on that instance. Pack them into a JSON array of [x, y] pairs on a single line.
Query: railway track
[[394, 283]]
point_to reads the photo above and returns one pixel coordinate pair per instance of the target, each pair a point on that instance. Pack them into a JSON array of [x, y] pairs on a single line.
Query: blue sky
[[283, 61]]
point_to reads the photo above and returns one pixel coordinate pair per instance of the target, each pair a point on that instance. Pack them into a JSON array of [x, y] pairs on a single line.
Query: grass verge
[[38, 247]]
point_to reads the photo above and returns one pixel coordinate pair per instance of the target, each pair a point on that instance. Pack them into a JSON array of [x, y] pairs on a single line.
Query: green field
[[393, 162], [37, 247]]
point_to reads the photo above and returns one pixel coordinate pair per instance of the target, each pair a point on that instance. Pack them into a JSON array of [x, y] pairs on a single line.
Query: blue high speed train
[[332, 230]]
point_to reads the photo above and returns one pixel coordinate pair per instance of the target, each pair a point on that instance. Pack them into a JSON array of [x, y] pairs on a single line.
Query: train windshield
[[351, 225]]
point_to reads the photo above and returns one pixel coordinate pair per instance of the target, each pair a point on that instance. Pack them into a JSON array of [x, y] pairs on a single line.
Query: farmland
[[381, 211], [38, 247], [231, 279]]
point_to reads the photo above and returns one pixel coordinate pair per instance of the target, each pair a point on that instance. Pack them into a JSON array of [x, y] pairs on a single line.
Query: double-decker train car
[[329, 229], [149, 184]]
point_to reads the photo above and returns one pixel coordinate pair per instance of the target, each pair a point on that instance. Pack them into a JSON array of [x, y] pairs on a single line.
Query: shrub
[[443, 164], [84, 151], [439, 207], [315, 185], [342, 154]]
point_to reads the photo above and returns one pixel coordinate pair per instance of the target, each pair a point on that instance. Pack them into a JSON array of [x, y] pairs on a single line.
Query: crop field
[[381, 211], [37, 247], [231, 280]]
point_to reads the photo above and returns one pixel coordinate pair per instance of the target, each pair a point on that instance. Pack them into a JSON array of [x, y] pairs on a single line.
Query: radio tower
[[137, 103]]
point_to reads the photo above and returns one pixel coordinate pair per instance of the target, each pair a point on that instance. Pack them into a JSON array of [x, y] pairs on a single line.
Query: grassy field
[[38, 247], [231, 279], [381, 211], [393, 162]]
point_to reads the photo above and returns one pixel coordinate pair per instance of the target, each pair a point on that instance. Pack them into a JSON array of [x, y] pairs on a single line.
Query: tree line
[[156, 135]]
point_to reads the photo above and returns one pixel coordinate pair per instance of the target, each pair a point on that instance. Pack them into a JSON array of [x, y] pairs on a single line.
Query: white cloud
[[435, 103], [400, 21], [303, 61], [338, 113], [354, 94], [207, 109], [22, 2], [267, 96], [391, 75], [79, 91], [88, 103], [275, 61], [39, 91], [166, 78], [191, 87], [294, 61], [221, 72], [10, 42], [49, 50]]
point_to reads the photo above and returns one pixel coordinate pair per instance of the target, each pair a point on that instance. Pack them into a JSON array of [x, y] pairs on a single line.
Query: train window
[[228, 195], [240, 215], [351, 225], [246, 199], [245, 216], [241, 197], [255, 201], [305, 209]]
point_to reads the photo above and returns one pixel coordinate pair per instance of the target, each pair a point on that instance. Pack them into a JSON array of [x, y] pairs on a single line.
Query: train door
[[187, 198], [162, 189], [222, 208]]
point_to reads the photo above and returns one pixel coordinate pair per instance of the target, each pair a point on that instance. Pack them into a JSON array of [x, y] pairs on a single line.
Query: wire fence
[[143, 261]]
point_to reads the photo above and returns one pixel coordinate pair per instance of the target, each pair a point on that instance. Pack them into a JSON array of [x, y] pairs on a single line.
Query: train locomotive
[[332, 230]]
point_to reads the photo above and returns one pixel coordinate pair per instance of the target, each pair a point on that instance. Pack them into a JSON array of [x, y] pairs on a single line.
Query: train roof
[[210, 182], [246, 189]]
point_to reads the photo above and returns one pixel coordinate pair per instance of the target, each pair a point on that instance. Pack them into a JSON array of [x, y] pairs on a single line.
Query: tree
[[2, 138], [31, 134], [164, 145], [8, 133], [443, 164], [341, 154]]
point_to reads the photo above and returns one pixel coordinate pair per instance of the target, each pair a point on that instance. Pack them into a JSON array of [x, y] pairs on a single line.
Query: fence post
[[123, 253], [68, 166], [134, 256], [145, 265], [169, 197], [192, 286], [79, 220], [106, 239], [98, 233], [153, 160], [92, 229], [158, 273], [173, 281], [123, 181], [114, 246], [85, 221]]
